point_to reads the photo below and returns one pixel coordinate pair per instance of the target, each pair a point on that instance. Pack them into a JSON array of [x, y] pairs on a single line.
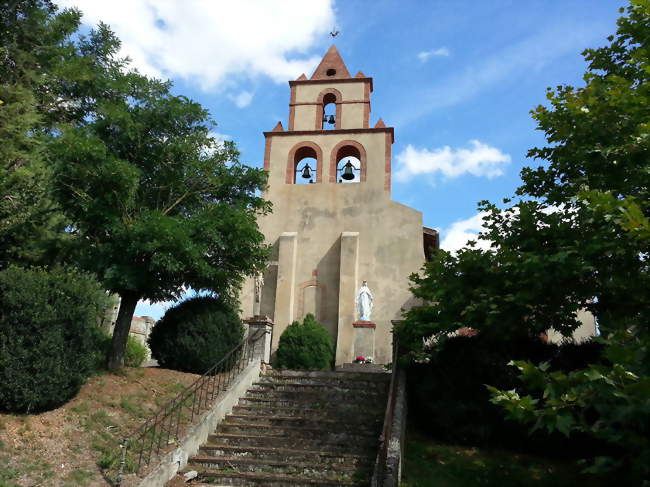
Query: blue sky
[[456, 79]]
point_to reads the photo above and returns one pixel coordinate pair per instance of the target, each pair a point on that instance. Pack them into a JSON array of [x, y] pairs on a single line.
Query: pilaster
[[348, 279], [286, 283]]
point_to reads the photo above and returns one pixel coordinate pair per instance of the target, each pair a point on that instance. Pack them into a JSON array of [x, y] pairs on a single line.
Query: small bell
[[347, 171], [306, 172], [331, 120]]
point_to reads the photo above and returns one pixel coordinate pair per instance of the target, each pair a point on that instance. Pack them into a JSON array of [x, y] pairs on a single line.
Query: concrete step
[[356, 374], [377, 388], [372, 424], [281, 466], [320, 457], [310, 431], [248, 479], [360, 445], [328, 381], [363, 368], [325, 396], [349, 413], [310, 402]]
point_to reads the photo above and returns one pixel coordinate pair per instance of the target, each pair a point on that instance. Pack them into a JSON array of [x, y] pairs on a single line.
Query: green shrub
[[195, 334], [305, 345], [136, 353], [449, 399], [49, 336]]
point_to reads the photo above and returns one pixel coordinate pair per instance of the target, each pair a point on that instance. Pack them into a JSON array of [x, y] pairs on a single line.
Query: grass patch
[[78, 478], [430, 463], [131, 406]]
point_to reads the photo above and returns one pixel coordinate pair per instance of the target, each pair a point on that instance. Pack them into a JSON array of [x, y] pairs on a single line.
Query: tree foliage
[[576, 238], [48, 75], [112, 167]]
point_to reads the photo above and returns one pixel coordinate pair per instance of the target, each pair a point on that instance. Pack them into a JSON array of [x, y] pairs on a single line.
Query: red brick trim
[[366, 107], [323, 298], [331, 81], [300, 103], [267, 154], [364, 324], [292, 110], [334, 159], [387, 130], [387, 166], [291, 163], [319, 109]]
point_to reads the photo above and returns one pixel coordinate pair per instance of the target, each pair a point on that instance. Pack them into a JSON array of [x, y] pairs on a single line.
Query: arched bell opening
[[329, 119], [349, 168], [305, 166]]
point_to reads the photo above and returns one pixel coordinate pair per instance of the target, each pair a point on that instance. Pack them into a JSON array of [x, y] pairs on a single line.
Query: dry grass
[[70, 446]]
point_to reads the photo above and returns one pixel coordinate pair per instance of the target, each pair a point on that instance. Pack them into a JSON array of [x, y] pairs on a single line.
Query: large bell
[[306, 172], [347, 171]]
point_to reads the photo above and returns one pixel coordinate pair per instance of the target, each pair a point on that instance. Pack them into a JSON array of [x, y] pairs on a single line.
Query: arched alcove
[[329, 110], [348, 158], [304, 165]]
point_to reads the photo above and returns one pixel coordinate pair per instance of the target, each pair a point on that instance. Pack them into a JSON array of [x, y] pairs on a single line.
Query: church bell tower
[[333, 223]]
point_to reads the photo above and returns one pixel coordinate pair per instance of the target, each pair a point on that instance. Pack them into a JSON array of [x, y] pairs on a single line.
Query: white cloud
[[506, 66], [211, 42], [479, 160], [424, 56], [460, 232], [243, 99]]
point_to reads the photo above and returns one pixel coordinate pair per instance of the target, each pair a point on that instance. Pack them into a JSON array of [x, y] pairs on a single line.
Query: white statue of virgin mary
[[364, 302]]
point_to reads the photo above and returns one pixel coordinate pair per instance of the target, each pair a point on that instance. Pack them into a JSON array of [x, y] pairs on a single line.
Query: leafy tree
[[156, 204], [48, 75], [576, 238]]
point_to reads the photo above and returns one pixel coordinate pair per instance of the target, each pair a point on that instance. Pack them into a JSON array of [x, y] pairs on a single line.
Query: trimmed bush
[[305, 345], [195, 334], [49, 336], [135, 354]]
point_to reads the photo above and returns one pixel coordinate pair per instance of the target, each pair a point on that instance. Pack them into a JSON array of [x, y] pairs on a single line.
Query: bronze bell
[[331, 120], [306, 172], [347, 171]]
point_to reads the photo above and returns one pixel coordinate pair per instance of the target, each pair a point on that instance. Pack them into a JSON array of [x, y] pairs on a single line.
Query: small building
[[334, 224]]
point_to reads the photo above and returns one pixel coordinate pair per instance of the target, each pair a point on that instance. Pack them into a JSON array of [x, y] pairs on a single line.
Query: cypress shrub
[[305, 345], [195, 334], [49, 336]]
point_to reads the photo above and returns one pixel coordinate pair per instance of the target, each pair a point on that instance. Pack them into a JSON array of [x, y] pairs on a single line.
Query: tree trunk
[[122, 326]]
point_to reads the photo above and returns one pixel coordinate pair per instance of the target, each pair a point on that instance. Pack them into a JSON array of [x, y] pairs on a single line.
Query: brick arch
[[319, 107], [334, 158], [291, 161], [323, 298]]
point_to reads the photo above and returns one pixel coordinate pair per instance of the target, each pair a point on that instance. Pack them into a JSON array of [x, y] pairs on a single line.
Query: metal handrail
[[164, 427]]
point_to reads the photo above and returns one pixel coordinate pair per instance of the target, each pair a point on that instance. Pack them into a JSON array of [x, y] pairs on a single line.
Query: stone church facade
[[340, 227]]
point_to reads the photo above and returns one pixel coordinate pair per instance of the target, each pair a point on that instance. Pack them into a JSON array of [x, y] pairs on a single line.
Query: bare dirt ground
[[68, 446]]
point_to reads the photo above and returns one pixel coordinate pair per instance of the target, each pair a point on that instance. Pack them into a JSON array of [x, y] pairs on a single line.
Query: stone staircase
[[298, 428]]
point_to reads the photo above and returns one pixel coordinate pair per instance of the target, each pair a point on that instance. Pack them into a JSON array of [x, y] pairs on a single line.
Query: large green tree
[[573, 239], [48, 75], [156, 204]]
